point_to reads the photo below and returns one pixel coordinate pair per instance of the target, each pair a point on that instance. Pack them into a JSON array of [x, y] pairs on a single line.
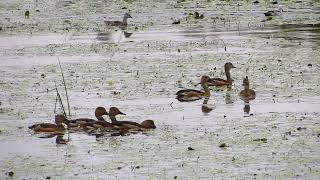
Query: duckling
[[49, 127], [121, 24], [222, 82], [247, 94], [187, 95], [99, 112]]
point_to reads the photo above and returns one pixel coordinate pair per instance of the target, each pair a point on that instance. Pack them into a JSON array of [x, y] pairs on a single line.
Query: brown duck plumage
[[222, 82], [49, 127], [121, 24], [247, 94], [193, 95]]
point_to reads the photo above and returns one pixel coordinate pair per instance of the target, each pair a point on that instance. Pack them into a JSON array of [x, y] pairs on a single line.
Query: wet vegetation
[[165, 47]]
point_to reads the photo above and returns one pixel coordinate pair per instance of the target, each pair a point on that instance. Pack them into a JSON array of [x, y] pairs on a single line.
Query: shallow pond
[[140, 74]]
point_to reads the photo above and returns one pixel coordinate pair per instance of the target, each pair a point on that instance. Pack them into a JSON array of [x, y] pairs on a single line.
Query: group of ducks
[[101, 124], [90, 125], [187, 95]]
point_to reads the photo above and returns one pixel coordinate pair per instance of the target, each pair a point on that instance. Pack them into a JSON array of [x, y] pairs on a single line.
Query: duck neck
[[113, 118], [100, 118], [125, 20], [228, 74], [60, 126]]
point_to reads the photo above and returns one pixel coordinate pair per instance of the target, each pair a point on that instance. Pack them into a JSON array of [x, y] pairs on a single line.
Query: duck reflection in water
[[247, 95], [206, 108], [229, 99], [114, 36], [59, 138]]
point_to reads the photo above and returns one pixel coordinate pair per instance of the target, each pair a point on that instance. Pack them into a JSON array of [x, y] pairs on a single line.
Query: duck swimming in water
[[86, 122], [126, 125], [187, 95], [113, 112], [222, 82], [49, 127], [247, 94], [120, 24]]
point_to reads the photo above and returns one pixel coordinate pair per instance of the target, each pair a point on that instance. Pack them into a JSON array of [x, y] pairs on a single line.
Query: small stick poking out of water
[[65, 86], [60, 101]]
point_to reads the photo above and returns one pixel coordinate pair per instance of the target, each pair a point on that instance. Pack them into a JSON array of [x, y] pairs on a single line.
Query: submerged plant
[[27, 14]]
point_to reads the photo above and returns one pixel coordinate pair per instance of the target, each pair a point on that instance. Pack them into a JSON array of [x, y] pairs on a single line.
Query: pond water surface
[[140, 74]]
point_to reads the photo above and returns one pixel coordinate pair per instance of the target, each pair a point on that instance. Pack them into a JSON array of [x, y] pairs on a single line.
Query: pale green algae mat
[[140, 74]]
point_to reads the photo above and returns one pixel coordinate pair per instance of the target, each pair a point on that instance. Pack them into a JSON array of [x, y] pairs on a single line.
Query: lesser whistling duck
[[222, 82], [86, 122], [99, 112], [247, 94], [113, 112], [193, 95], [49, 127], [121, 24], [126, 125], [274, 12]]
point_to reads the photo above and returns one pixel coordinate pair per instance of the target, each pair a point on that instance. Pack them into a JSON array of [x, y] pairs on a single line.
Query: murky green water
[[141, 73]]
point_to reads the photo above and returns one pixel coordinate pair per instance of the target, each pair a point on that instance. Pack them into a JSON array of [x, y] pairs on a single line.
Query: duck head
[[148, 124], [126, 16], [228, 66], [100, 111], [204, 79], [113, 111], [60, 119]]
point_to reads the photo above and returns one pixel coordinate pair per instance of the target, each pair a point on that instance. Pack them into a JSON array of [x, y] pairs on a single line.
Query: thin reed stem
[[65, 87], [61, 104]]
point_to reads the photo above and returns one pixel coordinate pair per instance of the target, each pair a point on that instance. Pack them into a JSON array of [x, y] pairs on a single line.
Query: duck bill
[[121, 113]]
